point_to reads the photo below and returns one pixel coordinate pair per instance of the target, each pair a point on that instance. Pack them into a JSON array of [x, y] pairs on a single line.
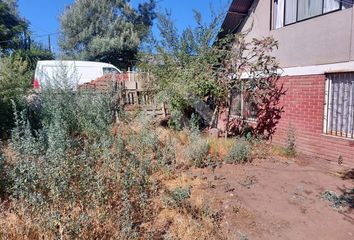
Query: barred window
[[243, 106], [339, 107]]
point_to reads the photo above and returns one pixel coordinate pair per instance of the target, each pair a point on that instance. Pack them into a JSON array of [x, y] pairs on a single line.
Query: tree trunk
[[214, 120], [228, 112]]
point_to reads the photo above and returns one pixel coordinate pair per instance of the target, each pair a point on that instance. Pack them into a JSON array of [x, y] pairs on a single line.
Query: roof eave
[[238, 11]]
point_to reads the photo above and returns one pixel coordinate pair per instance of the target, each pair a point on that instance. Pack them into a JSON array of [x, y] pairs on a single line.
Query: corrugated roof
[[237, 12]]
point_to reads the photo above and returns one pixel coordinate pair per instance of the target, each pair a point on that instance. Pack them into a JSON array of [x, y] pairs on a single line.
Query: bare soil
[[277, 198]]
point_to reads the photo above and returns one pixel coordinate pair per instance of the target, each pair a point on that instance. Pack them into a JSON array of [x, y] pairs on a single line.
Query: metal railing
[[339, 105]]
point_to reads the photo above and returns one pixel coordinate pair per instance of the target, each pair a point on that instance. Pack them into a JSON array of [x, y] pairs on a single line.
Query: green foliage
[[107, 31], [175, 121], [183, 64], [339, 201], [87, 112], [35, 53], [197, 68], [239, 153], [15, 80], [197, 151], [166, 156], [70, 179], [11, 26], [290, 149], [178, 197], [2, 173], [74, 177], [243, 237]]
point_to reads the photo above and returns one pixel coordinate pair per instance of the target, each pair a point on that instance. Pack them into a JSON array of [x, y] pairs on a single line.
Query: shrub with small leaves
[[290, 149], [2, 173], [198, 149], [74, 176], [239, 153], [166, 155], [178, 197]]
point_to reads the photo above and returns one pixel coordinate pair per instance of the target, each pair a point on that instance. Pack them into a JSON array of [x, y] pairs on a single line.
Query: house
[[316, 52]]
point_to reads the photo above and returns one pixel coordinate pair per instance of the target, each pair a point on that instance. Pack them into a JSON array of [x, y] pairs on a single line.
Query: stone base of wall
[[304, 111]]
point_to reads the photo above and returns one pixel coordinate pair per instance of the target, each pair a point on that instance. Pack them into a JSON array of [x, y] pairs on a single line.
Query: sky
[[43, 15]]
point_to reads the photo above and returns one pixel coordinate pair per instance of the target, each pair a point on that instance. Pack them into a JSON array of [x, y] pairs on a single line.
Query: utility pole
[[24, 42], [49, 44], [29, 42]]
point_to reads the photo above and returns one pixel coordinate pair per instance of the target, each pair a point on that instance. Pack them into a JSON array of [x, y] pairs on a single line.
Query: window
[[339, 107], [109, 70], [285, 12], [243, 106]]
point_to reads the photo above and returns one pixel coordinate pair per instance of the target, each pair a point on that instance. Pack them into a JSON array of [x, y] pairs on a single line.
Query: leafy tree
[[17, 64], [249, 69], [197, 69], [105, 30], [11, 26], [183, 65], [35, 53], [15, 80]]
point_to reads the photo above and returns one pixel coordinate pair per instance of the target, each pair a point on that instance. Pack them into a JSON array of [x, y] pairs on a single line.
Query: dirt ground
[[277, 198]]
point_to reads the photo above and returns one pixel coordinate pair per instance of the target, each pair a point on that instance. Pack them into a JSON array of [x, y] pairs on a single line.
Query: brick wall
[[304, 111]]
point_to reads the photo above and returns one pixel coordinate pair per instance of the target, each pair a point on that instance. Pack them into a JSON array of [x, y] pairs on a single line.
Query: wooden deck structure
[[131, 92]]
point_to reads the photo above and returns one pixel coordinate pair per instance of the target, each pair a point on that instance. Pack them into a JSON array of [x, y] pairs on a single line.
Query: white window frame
[[277, 23]]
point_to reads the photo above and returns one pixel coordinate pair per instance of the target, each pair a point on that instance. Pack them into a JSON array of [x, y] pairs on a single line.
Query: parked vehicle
[[76, 72]]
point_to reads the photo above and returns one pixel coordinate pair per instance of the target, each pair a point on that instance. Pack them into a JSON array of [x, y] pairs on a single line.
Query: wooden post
[[228, 114], [164, 110]]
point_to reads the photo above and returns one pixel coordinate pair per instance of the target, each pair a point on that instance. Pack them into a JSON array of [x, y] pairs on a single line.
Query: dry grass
[[193, 220], [280, 152], [220, 147]]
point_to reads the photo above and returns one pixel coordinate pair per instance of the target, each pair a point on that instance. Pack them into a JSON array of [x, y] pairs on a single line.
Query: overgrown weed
[[241, 152], [80, 175]]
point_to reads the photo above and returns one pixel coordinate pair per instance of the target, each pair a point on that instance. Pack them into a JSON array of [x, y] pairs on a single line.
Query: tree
[[183, 65], [11, 26], [34, 53], [249, 70], [17, 64], [105, 30], [15, 80], [196, 68]]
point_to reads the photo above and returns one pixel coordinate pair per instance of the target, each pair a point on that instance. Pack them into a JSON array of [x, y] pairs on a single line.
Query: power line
[[47, 34], [34, 35]]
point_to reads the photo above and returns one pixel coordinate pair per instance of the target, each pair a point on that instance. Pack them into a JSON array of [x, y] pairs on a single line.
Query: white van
[[77, 72]]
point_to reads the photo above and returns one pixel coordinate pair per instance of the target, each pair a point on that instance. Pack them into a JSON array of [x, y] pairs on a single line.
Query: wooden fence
[[131, 92]]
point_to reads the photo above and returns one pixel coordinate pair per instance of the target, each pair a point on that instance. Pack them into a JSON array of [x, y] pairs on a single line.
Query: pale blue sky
[[43, 14]]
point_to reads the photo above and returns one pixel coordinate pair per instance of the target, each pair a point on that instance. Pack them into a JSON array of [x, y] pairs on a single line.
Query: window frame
[[243, 102], [104, 70], [329, 128], [272, 27]]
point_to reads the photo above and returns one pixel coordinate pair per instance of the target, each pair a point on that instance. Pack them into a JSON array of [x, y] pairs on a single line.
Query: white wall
[[320, 40]]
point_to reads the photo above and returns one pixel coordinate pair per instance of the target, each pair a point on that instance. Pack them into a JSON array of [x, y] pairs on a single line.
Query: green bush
[[178, 197], [239, 153], [15, 80], [74, 177], [2, 173], [166, 155], [54, 172], [290, 149], [198, 149]]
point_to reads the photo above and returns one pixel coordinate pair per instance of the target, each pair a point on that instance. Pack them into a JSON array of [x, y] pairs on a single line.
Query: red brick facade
[[304, 111]]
